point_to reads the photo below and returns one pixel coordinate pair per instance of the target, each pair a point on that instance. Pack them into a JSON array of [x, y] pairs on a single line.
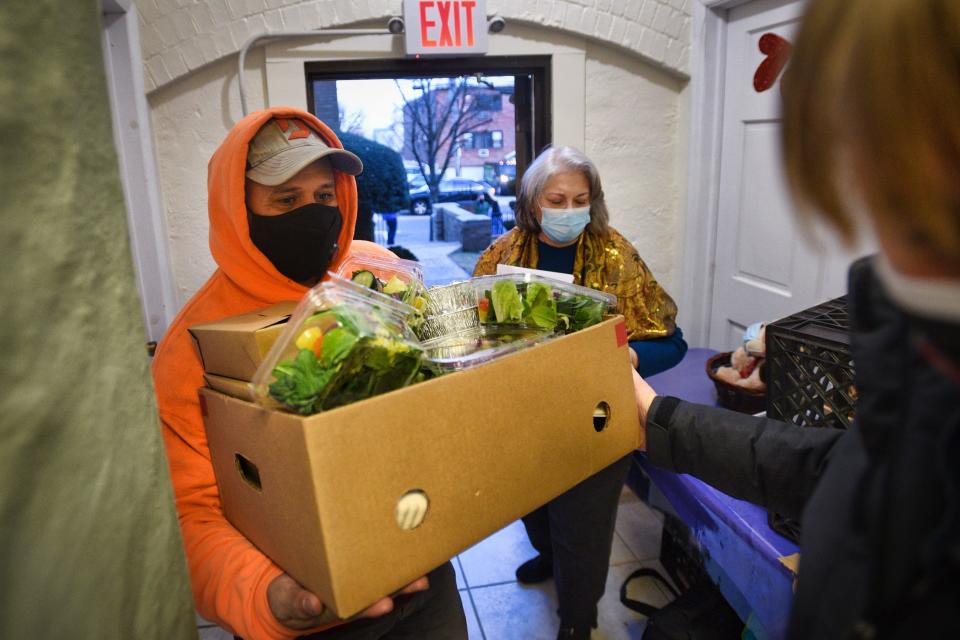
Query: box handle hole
[[601, 416], [412, 509], [248, 471]]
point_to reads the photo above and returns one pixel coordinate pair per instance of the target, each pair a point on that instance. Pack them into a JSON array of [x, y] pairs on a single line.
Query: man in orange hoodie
[[282, 203]]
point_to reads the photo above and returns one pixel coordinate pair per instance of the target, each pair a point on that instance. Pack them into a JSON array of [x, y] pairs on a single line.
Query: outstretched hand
[[296, 608]]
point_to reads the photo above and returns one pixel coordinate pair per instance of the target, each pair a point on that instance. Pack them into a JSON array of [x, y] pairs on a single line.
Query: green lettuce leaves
[[539, 307], [534, 304], [507, 305], [298, 383], [357, 361], [581, 311]]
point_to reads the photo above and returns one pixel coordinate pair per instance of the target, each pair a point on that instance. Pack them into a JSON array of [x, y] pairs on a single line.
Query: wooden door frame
[[708, 32]]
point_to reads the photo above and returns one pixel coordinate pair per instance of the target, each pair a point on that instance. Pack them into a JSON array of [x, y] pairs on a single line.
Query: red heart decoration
[[777, 51]]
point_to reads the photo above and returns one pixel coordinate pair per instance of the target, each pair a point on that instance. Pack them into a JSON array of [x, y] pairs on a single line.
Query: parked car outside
[[415, 179], [450, 190]]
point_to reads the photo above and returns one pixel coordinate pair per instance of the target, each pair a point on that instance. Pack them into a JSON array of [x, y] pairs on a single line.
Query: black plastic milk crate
[[809, 367]]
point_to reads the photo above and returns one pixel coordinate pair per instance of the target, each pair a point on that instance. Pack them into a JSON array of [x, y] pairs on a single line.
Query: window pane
[[483, 140], [489, 101], [392, 111]]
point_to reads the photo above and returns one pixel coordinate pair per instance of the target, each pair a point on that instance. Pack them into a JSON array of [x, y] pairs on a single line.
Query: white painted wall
[[634, 135], [190, 118], [624, 111], [179, 36]]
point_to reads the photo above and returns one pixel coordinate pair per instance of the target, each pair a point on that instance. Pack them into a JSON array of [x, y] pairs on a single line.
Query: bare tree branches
[[351, 122], [437, 121]]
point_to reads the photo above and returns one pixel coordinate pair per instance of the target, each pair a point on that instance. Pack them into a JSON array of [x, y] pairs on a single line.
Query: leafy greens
[[539, 305], [411, 293], [507, 305], [356, 360]]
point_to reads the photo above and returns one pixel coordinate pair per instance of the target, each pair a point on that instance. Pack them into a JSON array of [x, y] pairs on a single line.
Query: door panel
[[766, 266], [764, 253]]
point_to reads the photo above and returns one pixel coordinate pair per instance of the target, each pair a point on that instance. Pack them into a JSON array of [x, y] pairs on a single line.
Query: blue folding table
[[741, 553]]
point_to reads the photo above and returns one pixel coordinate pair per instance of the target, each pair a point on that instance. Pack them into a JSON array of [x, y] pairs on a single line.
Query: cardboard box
[[234, 347], [318, 494], [230, 386]]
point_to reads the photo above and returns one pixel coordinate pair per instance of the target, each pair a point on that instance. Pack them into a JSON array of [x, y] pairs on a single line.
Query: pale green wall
[[89, 544]]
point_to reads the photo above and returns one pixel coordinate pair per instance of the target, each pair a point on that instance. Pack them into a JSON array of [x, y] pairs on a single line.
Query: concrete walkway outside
[[413, 232]]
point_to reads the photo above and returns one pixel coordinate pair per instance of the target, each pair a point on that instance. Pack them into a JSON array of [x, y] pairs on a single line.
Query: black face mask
[[300, 243]]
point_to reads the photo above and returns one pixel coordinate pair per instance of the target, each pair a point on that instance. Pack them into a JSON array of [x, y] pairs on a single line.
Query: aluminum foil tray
[[451, 297], [447, 323]]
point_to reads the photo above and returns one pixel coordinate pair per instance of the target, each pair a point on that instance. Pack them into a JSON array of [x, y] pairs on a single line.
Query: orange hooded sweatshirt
[[228, 574]]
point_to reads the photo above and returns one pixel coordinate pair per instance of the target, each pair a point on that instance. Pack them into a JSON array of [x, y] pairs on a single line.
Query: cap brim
[[281, 167]]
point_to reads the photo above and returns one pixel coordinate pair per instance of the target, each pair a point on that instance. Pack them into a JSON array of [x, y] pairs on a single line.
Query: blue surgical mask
[[564, 225]]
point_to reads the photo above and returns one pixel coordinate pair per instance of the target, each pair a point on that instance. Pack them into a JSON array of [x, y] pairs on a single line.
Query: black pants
[[576, 531], [434, 614]]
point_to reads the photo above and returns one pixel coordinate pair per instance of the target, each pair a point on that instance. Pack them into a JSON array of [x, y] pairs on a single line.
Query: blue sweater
[[656, 354]]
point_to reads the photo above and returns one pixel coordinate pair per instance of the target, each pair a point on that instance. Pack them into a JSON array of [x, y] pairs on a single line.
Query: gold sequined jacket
[[606, 263]]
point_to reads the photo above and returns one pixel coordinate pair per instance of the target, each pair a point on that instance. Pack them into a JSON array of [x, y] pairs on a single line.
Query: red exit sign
[[445, 27]]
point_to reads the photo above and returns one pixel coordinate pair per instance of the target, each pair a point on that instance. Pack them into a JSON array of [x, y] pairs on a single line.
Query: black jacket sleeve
[[770, 463]]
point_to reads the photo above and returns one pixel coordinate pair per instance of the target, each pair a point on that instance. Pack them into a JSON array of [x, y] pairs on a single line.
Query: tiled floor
[[497, 608]]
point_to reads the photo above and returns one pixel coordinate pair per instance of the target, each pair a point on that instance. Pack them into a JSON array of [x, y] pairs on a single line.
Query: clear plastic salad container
[[473, 347], [396, 309], [400, 279], [341, 345], [522, 299]]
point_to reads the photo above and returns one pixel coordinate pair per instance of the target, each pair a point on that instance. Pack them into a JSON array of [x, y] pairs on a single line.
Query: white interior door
[[766, 266]]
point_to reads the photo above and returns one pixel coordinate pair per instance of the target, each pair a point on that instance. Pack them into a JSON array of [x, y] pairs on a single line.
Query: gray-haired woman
[[563, 226]]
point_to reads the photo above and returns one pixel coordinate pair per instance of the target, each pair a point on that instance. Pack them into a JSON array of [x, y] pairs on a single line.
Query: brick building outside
[[488, 143]]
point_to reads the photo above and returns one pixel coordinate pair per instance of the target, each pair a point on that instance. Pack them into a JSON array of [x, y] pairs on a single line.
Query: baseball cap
[[284, 146]]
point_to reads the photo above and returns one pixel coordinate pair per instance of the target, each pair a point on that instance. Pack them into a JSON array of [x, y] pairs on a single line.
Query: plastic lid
[[399, 279], [476, 346], [395, 308], [384, 267]]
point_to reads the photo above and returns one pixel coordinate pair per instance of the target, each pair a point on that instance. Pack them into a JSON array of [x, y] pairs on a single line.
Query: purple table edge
[[741, 552]]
